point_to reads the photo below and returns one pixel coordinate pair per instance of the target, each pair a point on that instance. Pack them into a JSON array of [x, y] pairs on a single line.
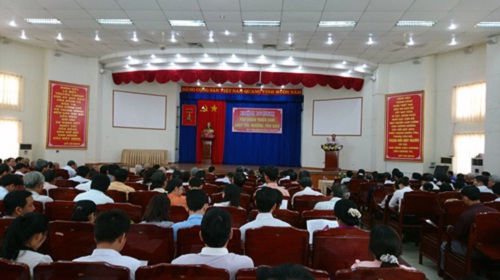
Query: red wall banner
[[257, 120], [189, 115], [404, 126], [67, 116]]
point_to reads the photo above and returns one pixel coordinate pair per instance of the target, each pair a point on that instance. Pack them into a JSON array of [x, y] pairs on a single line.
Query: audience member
[[347, 178], [226, 179], [450, 175], [185, 176], [380, 179], [41, 165], [121, 175], [71, 168], [403, 187], [197, 204], [496, 190], [215, 232], [23, 238], [175, 190], [157, 211], [33, 182], [445, 187], [428, 178], [427, 187], [348, 216], [17, 203], [305, 189], [239, 180], [84, 211], [82, 174], [50, 179], [271, 175], [340, 191], [110, 232], [4, 169], [159, 182], [98, 187], [231, 196], [8, 183], [286, 271], [481, 182], [21, 168]]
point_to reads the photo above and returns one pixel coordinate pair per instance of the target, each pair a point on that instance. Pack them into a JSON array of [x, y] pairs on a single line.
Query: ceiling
[[298, 23]]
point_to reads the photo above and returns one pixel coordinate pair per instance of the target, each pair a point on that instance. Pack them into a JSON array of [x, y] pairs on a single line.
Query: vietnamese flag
[[212, 111]]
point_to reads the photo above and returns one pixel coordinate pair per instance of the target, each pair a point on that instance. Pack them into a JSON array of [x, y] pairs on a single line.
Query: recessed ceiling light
[[13, 23], [114, 21], [344, 62], [245, 64], [370, 40], [197, 63], [23, 35], [129, 57], [488, 24], [250, 40], [233, 56], [134, 37], [410, 41], [198, 83], [148, 64], [178, 55], [153, 56], [219, 85], [261, 23], [187, 23], [350, 71], [453, 41], [415, 23], [42, 20], [127, 66], [226, 32], [97, 38], [59, 36], [262, 56], [348, 23], [330, 41], [364, 66], [452, 26], [300, 67], [290, 58], [205, 55], [173, 40]]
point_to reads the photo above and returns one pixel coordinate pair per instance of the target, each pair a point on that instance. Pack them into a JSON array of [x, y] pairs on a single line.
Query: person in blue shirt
[[197, 203]]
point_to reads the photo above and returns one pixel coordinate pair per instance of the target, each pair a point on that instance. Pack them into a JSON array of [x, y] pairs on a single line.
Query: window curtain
[[467, 146], [11, 137], [10, 91], [469, 103]]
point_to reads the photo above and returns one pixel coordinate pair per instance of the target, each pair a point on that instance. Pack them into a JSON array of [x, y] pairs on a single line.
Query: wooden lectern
[[331, 161], [206, 152]]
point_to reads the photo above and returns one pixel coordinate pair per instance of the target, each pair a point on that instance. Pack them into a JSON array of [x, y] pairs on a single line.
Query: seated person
[[228, 179], [8, 183], [481, 182], [159, 182], [239, 180], [305, 189], [230, 196], [403, 186], [110, 232], [340, 191], [197, 203], [385, 245], [18, 203], [98, 187], [428, 178], [84, 211], [33, 182], [348, 176], [23, 238], [348, 216], [271, 176], [266, 203], [283, 272], [82, 174], [157, 211], [215, 232], [121, 175], [175, 190], [50, 179]]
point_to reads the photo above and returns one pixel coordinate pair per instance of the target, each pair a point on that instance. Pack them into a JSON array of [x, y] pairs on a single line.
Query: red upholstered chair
[[415, 185], [238, 215], [210, 189], [67, 194], [443, 196], [134, 212], [14, 270], [493, 204], [485, 197], [117, 196], [133, 177], [385, 273], [219, 184], [293, 190], [64, 183], [180, 272], [210, 178], [141, 198], [4, 224], [289, 216], [188, 241], [38, 206], [248, 189], [216, 198], [150, 242], [364, 187], [338, 248], [137, 186], [277, 245], [80, 270], [316, 214], [69, 240], [307, 202], [354, 189], [61, 174], [178, 213], [245, 201], [251, 273], [2, 210], [59, 210]]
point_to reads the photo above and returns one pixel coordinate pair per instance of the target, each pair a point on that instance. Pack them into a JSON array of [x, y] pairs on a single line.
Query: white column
[[492, 123]]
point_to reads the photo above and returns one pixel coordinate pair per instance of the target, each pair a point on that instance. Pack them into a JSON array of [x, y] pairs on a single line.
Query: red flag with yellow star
[[213, 112]]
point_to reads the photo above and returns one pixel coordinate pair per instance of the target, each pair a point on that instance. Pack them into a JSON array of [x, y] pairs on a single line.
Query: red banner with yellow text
[[229, 90], [257, 120]]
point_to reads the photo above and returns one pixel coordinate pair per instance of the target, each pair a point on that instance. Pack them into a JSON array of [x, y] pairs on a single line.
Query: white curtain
[[469, 103], [10, 131], [10, 91], [467, 146]]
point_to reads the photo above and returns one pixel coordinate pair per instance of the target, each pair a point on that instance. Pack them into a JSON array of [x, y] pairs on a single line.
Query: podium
[[206, 151], [331, 161]]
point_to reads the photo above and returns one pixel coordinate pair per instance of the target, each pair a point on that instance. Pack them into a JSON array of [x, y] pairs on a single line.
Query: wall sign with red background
[[257, 120], [404, 126], [67, 116]]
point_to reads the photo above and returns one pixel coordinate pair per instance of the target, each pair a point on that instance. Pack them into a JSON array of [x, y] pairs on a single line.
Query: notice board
[[67, 116], [404, 126]]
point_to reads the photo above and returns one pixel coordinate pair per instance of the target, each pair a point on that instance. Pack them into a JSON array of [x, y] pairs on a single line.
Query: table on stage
[[323, 184]]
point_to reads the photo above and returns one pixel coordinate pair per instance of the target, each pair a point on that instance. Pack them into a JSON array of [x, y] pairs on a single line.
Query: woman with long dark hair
[[231, 196], [157, 211]]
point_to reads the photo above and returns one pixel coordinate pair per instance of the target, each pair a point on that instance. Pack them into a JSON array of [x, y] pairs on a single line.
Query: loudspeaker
[[492, 40]]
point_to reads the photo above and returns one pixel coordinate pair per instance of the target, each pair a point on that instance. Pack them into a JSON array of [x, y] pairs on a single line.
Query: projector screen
[[139, 110], [337, 116]]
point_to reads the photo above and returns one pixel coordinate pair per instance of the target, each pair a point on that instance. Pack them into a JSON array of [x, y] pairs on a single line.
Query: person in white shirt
[[340, 191], [71, 167], [481, 182], [305, 189], [50, 178], [23, 238], [404, 187], [428, 178], [98, 187], [110, 234], [82, 174], [21, 169], [348, 177], [227, 179], [8, 183], [33, 182], [265, 199], [215, 232]]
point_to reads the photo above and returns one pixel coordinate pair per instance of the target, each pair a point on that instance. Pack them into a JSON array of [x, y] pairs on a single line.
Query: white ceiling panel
[[81, 23], [183, 15], [381, 16], [297, 26], [301, 5], [433, 5], [98, 4], [389, 5], [225, 25], [262, 5], [70, 14], [220, 5], [336, 6], [222, 16], [138, 5], [301, 16], [33, 13], [152, 25], [252, 15], [60, 4], [348, 15], [145, 15], [179, 5], [114, 14]]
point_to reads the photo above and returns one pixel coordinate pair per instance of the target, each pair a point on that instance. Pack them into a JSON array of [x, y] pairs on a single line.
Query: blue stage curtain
[[251, 148]]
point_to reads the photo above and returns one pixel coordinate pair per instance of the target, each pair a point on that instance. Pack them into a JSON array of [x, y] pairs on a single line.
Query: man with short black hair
[[50, 178], [159, 182], [428, 178], [33, 182], [265, 198], [71, 168], [197, 203], [239, 180], [215, 232], [9, 183], [98, 187], [195, 184], [82, 174], [271, 175], [110, 229], [185, 176], [175, 190], [121, 175], [348, 177], [481, 182], [17, 203], [21, 169], [305, 189]]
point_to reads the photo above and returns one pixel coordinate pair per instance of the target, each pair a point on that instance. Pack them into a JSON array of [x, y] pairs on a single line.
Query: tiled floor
[[410, 255]]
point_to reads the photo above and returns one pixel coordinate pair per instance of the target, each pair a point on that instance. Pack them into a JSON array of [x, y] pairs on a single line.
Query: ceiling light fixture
[[347, 23], [226, 33], [198, 83], [42, 21], [205, 55], [250, 40], [187, 23], [452, 26], [289, 42], [344, 62], [300, 67], [178, 55], [233, 56], [13, 23], [173, 40], [261, 23], [370, 40], [488, 24], [245, 64], [59, 36], [415, 23], [453, 41], [114, 21], [134, 37], [290, 58], [329, 41], [97, 36], [410, 41], [23, 35], [129, 57], [211, 37], [153, 56]]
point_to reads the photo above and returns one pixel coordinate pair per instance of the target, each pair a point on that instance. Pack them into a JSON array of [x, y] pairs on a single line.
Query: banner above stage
[[257, 120], [229, 90]]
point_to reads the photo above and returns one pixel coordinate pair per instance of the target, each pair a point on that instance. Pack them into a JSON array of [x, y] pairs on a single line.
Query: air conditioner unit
[[447, 161], [477, 165], [25, 151]]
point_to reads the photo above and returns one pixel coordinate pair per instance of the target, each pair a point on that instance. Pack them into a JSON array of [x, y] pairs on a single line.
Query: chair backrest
[[150, 242], [14, 270], [277, 245], [210, 189], [251, 273], [218, 183], [69, 240], [38, 206], [245, 201], [307, 202], [451, 211], [419, 203], [338, 248], [485, 197], [64, 183], [443, 196], [137, 186], [486, 229], [289, 216], [59, 210], [316, 214], [364, 187], [61, 173], [178, 213], [386, 273], [2, 210], [4, 224], [117, 196], [415, 185], [293, 190], [67, 194], [238, 215], [216, 197], [188, 241], [141, 198], [180, 272], [248, 189], [80, 270], [493, 204], [134, 212]]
